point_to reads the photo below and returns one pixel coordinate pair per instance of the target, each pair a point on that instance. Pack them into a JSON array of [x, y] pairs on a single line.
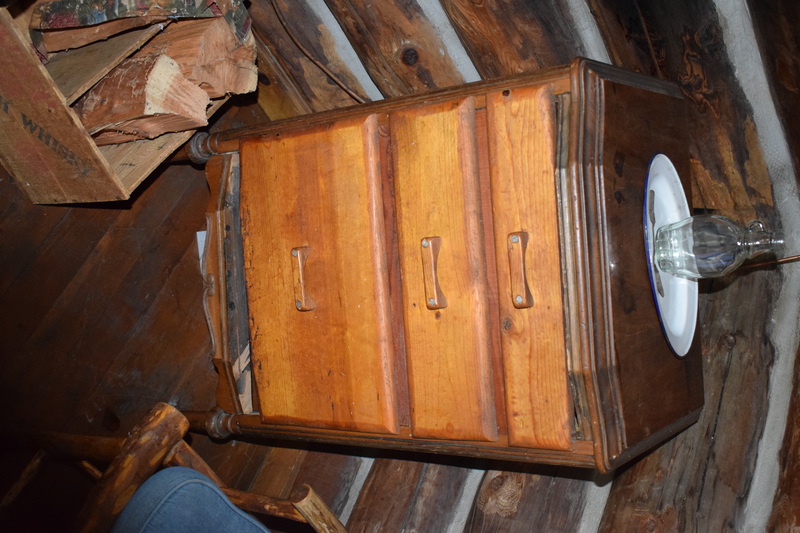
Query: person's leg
[[177, 500]]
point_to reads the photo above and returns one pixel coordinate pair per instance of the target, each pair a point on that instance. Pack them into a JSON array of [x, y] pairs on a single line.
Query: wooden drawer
[[527, 130], [443, 262], [315, 261]]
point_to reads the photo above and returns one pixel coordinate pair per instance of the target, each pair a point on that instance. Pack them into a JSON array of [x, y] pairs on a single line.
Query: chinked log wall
[[702, 480]]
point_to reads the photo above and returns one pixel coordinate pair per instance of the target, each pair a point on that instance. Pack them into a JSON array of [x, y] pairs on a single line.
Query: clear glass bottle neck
[[757, 240]]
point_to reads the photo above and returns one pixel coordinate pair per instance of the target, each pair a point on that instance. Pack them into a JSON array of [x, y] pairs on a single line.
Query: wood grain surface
[[401, 48], [321, 331], [437, 196], [523, 131]]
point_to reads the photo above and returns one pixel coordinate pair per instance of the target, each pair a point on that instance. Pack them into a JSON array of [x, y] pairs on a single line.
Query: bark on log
[[139, 458]]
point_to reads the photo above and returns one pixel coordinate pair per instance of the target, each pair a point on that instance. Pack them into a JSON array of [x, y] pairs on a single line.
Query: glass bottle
[[709, 246]]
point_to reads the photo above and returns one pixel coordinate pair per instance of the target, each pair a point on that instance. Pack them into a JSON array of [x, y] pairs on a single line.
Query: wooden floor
[[103, 315]]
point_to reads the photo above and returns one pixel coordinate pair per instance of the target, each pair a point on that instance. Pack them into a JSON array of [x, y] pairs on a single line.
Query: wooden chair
[[154, 443]]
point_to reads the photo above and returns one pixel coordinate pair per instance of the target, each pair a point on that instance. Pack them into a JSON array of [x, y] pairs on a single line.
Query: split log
[[71, 38], [141, 99], [166, 86], [209, 55]]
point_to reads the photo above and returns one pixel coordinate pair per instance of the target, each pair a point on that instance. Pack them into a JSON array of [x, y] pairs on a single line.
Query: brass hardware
[[302, 299], [521, 295], [434, 297]]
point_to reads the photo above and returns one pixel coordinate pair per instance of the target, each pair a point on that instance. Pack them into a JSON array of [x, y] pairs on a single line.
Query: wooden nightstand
[[462, 272]]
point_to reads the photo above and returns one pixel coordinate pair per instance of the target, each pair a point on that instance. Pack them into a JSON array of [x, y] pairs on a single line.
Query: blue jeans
[[178, 500]]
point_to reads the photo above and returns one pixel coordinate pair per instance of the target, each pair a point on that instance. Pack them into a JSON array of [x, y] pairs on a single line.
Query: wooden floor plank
[[166, 358], [44, 247], [98, 310], [23, 231]]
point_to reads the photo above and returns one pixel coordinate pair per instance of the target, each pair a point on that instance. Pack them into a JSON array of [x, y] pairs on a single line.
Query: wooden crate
[[43, 144]]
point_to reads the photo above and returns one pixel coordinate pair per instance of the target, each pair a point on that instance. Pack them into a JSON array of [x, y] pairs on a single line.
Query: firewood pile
[[202, 51]]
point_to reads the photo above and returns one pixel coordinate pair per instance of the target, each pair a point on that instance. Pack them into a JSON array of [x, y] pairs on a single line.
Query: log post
[[316, 511], [140, 456]]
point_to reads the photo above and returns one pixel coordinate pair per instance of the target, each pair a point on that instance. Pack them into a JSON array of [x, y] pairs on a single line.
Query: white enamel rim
[[677, 308]]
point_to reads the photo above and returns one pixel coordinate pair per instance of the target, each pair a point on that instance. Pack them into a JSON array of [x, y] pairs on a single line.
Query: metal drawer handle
[[434, 297], [302, 300], [521, 295]]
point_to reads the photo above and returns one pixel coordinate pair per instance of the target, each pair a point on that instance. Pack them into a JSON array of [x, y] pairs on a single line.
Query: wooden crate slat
[[42, 143]]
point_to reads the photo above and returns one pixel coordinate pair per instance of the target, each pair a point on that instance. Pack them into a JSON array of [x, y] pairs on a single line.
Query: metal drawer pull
[[302, 300], [521, 295], [434, 297]]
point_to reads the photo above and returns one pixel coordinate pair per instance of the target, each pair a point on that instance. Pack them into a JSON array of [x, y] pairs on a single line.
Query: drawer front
[[315, 265], [443, 265], [523, 131]]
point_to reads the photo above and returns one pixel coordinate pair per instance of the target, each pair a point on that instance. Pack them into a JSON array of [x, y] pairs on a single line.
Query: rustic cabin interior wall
[[103, 303]]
